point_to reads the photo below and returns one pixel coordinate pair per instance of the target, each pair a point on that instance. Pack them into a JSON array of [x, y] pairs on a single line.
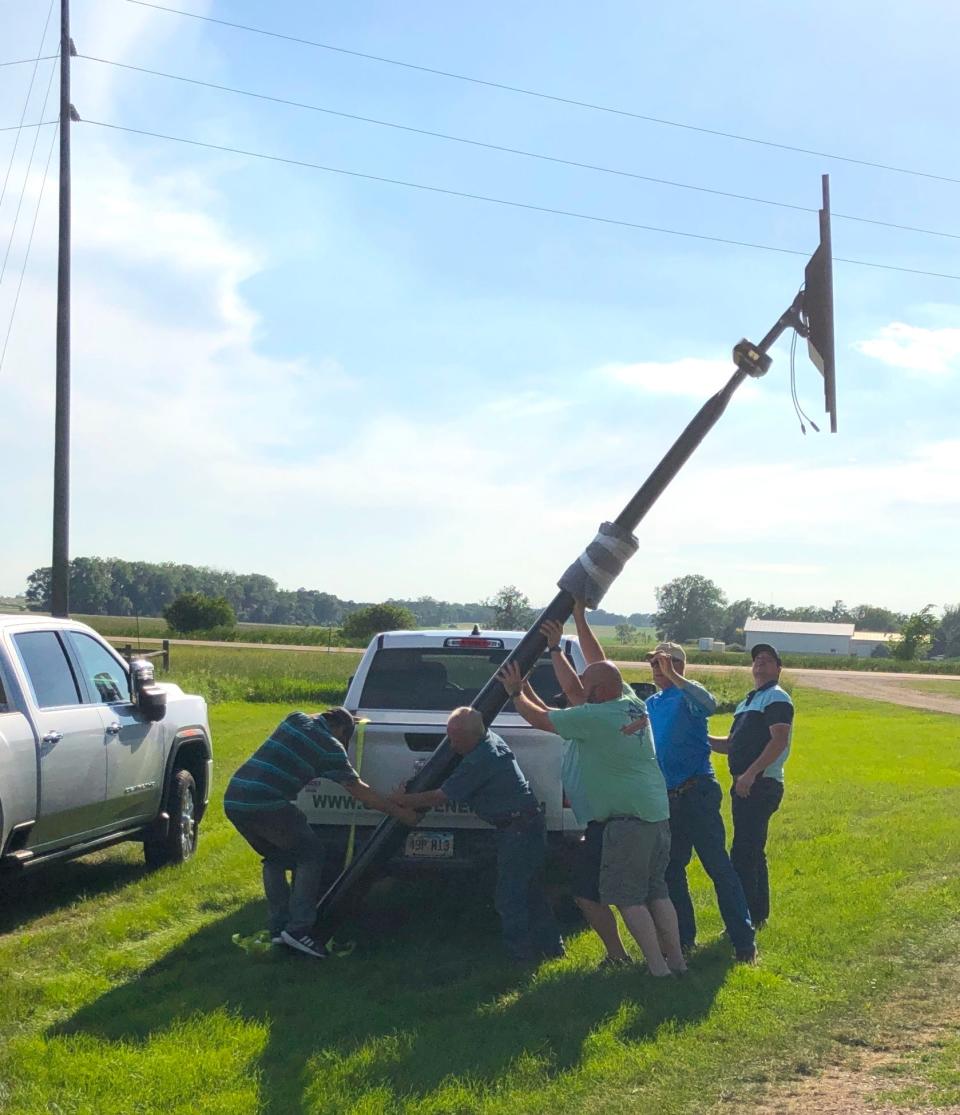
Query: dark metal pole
[[60, 573], [350, 885], [826, 241]]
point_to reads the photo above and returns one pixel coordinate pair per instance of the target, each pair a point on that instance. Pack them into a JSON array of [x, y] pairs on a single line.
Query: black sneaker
[[302, 941], [746, 956]]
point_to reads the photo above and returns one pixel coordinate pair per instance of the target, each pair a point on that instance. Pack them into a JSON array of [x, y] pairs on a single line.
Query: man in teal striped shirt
[[259, 803]]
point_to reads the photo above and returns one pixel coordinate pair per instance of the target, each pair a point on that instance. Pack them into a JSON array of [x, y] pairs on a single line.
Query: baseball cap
[[673, 649], [339, 718], [757, 647]]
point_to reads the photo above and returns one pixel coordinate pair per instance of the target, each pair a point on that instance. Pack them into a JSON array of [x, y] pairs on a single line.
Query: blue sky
[[378, 391]]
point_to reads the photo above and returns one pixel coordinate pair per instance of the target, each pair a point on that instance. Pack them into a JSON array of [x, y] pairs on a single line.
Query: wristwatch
[[555, 650]]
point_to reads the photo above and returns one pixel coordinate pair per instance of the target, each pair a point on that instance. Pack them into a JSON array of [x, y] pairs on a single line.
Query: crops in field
[[228, 673]]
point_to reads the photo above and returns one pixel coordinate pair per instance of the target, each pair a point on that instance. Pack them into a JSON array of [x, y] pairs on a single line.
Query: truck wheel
[[180, 842]]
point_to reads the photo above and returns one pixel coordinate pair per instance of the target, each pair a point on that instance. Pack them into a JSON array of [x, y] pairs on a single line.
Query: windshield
[[439, 679]]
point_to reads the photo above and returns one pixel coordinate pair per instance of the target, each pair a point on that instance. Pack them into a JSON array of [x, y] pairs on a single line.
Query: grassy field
[[122, 993], [228, 673], [927, 685]]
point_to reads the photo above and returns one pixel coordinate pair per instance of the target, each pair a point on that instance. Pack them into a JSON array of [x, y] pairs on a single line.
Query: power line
[[27, 61], [19, 127], [26, 178], [23, 114], [23, 268], [510, 150], [547, 96], [505, 201]]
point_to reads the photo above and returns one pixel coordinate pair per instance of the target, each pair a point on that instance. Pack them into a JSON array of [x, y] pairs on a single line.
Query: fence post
[[166, 655]]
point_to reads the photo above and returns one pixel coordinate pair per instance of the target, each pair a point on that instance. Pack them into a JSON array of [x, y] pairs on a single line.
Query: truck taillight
[[474, 641], [566, 802]]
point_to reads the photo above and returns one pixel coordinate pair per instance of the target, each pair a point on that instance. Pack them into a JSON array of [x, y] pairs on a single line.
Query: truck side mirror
[[149, 698]]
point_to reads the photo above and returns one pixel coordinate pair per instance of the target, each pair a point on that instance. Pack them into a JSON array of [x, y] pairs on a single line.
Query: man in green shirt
[[623, 800]]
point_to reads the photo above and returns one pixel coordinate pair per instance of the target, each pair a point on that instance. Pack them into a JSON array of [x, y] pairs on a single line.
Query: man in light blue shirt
[[678, 714]]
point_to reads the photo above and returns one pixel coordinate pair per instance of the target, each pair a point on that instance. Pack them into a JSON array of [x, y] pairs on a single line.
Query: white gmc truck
[[92, 750], [407, 684]]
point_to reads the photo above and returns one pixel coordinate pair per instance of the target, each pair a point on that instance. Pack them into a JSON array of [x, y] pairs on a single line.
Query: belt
[[679, 791], [521, 816]]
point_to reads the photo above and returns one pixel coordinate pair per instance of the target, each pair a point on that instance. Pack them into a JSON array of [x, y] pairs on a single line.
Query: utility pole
[[60, 573]]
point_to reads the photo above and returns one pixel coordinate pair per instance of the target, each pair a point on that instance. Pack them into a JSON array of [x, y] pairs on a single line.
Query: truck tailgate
[[396, 746]]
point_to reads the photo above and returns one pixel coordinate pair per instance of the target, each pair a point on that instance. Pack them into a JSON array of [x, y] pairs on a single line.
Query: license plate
[[429, 845]]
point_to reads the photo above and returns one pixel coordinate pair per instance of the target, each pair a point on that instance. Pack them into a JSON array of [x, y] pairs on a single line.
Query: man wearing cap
[[258, 802], [756, 749], [678, 714]]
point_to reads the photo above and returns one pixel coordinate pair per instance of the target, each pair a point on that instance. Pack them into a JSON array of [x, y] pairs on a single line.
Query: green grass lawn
[[122, 993]]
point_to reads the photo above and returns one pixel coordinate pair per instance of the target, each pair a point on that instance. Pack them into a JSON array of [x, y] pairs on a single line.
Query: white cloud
[[932, 352], [689, 376]]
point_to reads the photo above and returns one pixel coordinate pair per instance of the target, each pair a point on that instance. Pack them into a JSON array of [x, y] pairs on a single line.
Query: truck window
[[439, 679], [106, 679], [48, 670]]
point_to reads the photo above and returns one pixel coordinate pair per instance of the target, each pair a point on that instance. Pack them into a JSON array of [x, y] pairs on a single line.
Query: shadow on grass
[[26, 897], [425, 996]]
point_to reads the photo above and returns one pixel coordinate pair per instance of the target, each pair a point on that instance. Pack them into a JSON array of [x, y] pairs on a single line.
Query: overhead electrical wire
[[26, 257], [547, 96], [27, 61], [505, 201], [18, 127], [510, 150], [26, 102], [26, 178]]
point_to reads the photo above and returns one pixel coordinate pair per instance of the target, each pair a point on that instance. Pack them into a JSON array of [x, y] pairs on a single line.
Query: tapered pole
[[349, 886], [60, 572]]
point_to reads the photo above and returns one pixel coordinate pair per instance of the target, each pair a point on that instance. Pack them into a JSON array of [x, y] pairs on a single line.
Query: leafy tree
[[915, 636], [734, 619], [192, 611], [362, 624], [946, 641], [626, 632], [511, 609], [871, 617], [689, 606]]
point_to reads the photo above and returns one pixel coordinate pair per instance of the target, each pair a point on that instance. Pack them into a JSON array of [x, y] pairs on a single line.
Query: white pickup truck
[[406, 685], [92, 750]]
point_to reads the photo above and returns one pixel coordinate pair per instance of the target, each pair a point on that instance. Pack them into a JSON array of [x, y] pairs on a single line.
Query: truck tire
[[180, 842]]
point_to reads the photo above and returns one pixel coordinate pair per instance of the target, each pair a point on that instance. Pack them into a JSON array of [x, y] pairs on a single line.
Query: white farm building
[[794, 637]]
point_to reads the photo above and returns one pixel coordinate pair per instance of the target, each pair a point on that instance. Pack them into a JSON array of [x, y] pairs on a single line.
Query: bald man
[[616, 788], [491, 783]]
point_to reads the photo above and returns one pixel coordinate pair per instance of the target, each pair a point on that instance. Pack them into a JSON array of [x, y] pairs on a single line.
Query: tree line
[[115, 587], [692, 606]]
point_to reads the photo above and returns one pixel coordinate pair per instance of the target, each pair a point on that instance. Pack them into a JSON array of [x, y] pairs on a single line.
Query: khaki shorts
[[635, 857]]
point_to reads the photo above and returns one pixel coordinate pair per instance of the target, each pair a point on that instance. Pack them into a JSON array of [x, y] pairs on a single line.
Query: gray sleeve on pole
[[600, 564]]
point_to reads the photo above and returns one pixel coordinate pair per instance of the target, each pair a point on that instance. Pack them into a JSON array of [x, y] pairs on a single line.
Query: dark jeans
[[751, 819], [696, 826], [287, 842], [529, 927]]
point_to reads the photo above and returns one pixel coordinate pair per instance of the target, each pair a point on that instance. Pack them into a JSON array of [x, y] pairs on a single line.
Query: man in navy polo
[[490, 781], [757, 748], [678, 716]]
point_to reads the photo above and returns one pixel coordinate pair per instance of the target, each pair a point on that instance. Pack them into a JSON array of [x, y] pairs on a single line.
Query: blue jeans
[[526, 918], [287, 843], [751, 819], [696, 826]]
